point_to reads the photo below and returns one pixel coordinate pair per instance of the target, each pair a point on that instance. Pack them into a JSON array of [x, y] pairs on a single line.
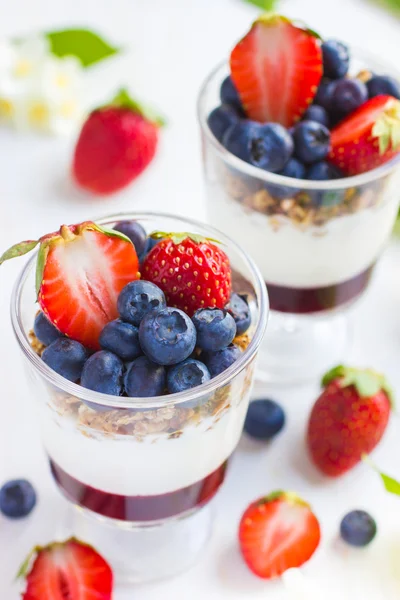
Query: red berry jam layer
[[318, 299], [139, 508]]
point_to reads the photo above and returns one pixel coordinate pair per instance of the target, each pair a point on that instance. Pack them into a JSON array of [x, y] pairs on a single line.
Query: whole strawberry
[[192, 271], [116, 144], [80, 271], [348, 419], [368, 137], [277, 533]]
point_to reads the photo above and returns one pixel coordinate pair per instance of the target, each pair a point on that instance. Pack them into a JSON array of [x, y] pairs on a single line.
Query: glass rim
[[274, 178], [121, 402]]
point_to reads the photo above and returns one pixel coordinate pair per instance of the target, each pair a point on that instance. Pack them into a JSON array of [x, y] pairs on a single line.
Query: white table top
[[173, 46]]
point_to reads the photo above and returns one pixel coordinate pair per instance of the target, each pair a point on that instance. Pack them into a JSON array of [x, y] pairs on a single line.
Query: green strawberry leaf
[[113, 233], [124, 100], [18, 250], [24, 568], [387, 127], [84, 44], [334, 373], [178, 238], [40, 264], [391, 485], [267, 5], [366, 381]]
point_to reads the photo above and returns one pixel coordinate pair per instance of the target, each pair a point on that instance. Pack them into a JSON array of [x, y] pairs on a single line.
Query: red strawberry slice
[[276, 69], [277, 533], [80, 271], [69, 570], [368, 137]]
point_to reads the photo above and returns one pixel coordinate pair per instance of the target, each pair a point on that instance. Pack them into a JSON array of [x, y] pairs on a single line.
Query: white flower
[[61, 77]]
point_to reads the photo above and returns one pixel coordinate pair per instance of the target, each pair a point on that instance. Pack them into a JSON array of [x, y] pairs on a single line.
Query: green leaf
[[113, 233], [24, 568], [333, 374], [124, 100], [387, 127], [391, 485], [178, 238], [40, 263], [268, 5], [84, 44], [18, 250], [366, 381]]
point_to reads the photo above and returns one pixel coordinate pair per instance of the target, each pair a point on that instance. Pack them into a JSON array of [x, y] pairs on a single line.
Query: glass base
[[298, 349], [145, 552]]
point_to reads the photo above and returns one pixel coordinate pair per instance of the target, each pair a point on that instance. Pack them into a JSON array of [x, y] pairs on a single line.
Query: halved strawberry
[[277, 533], [276, 69], [68, 570], [368, 137], [80, 271]]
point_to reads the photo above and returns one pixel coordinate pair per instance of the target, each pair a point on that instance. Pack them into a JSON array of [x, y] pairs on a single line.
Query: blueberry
[[221, 119], [44, 330], [103, 373], [122, 339], [264, 419], [336, 59], [311, 141], [348, 95], [144, 379], [229, 94], [322, 171], [324, 94], [168, 336], [135, 232], [293, 168], [358, 528], [186, 375], [317, 113], [383, 84], [267, 146], [240, 311], [150, 243], [137, 299], [66, 357], [215, 328], [220, 360], [17, 498]]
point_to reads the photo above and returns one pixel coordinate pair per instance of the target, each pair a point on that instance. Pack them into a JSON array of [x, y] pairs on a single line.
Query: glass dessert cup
[[140, 473], [315, 242]]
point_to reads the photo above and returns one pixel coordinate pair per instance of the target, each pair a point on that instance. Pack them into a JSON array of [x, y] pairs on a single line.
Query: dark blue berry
[[311, 141], [186, 375], [168, 336], [358, 528], [322, 171], [317, 113], [336, 59], [229, 94], [137, 299], [103, 373], [293, 168], [45, 331], [122, 339], [220, 360], [145, 379], [215, 328], [264, 419], [267, 146], [66, 357], [17, 498], [383, 84], [348, 95], [324, 94], [150, 243], [135, 232], [240, 311], [221, 119]]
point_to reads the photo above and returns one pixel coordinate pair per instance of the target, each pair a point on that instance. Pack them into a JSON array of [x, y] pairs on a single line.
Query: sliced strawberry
[[368, 137], [80, 271], [277, 533], [276, 69], [69, 570]]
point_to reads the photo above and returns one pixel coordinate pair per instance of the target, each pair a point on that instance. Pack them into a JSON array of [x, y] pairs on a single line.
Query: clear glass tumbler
[[315, 242], [140, 473]]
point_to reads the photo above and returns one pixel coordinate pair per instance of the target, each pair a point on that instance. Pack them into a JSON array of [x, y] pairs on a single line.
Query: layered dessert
[[301, 162], [144, 342]]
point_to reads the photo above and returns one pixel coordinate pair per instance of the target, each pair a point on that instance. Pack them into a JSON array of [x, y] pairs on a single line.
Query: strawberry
[[80, 271], [368, 137], [276, 69], [277, 533], [348, 419], [116, 144], [191, 270], [64, 570]]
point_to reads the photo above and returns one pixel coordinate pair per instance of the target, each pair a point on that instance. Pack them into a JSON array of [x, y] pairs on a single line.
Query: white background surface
[[173, 44]]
